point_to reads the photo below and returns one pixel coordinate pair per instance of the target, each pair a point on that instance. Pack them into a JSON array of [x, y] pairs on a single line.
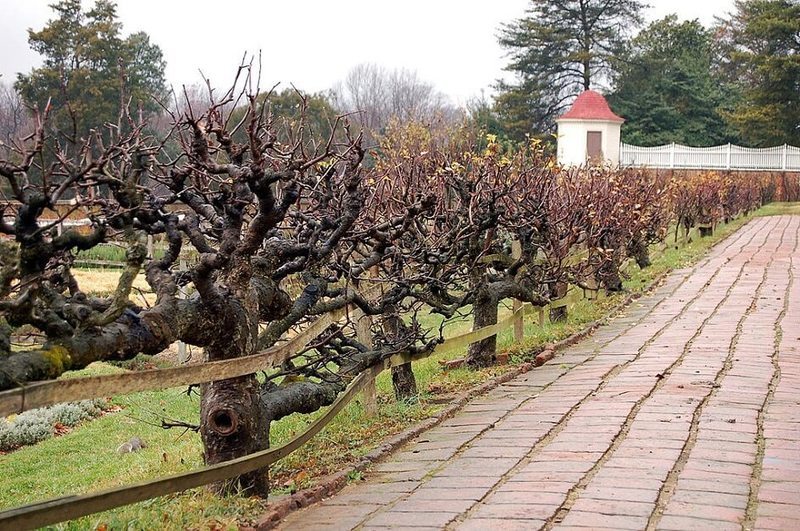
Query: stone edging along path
[[331, 484]]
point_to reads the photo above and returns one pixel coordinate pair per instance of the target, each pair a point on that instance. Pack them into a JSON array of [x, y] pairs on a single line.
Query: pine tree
[[560, 48], [89, 70], [761, 44], [665, 87]]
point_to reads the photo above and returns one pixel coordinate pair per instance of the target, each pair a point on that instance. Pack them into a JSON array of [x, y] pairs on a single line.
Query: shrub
[[37, 425]]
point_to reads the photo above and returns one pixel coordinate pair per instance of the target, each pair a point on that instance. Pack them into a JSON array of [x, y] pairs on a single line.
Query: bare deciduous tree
[[378, 96], [15, 117]]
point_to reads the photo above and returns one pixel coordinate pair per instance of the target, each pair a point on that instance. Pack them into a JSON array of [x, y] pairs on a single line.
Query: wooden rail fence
[[41, 394]]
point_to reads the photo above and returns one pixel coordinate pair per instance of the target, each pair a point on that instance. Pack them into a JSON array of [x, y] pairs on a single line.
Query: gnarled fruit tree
[[283, 226]]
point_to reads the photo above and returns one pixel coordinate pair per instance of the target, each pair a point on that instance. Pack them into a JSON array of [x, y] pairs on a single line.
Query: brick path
[[683, 413]]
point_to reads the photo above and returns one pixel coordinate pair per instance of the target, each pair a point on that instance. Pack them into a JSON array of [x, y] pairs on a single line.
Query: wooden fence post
[[183, 355], [369, 394], [519, 320]]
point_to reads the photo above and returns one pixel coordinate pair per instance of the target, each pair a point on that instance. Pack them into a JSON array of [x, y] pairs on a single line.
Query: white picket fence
[[726, 157]]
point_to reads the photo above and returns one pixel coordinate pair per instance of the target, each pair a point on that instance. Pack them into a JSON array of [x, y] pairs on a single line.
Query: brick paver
[[682, 413]]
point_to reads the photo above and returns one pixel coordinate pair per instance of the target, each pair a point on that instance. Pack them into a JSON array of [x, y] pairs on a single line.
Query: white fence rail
[[727, 157]]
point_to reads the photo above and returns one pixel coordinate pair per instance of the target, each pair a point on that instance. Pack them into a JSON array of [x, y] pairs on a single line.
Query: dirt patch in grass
[[103, 282]]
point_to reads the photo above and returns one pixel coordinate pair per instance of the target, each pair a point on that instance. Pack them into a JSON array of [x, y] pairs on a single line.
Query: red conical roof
[[591, 105]]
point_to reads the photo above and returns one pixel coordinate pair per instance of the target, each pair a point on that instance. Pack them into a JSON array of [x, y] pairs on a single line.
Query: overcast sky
[[313, 43]]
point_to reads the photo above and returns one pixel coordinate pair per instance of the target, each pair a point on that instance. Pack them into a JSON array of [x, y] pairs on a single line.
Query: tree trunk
[[482, 353], [610, 277], [558, 290], [232, 425], [638, 250], [233, 422], [403, 380], [404, 383]]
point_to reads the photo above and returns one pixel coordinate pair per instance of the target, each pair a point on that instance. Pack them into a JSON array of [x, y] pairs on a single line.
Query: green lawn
[[85, 459], [780, 209]]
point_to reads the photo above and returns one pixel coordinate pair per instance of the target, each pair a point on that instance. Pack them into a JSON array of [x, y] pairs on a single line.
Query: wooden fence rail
[[46, 393], [70, 507], [40, 394]]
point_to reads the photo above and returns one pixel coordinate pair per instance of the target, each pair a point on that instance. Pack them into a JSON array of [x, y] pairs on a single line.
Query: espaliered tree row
[[487, 200], [569, 226], [290, 226], [706, 197]]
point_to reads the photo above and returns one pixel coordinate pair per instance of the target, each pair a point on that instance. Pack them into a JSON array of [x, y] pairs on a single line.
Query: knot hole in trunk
[[223, 421]]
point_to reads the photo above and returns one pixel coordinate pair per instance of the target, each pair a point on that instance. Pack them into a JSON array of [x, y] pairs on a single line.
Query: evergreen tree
[[665, 88], [761, 47], [89, 70], [289, 108], [560, 48], [482, 115]]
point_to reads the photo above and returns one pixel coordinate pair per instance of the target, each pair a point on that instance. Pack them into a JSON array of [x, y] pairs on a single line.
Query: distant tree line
[[91, 70], [737, 81], [673, 81]]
